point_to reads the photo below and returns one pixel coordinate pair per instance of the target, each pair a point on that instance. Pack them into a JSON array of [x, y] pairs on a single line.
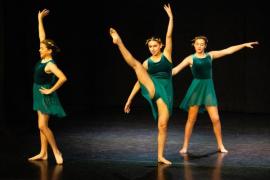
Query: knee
[[136, 65], [191, 120], [215, 120], [162, 126], [42, 127]]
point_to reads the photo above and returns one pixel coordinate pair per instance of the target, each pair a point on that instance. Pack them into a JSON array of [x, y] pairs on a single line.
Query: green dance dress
[[201, 91], [161, 75], [47, 104]]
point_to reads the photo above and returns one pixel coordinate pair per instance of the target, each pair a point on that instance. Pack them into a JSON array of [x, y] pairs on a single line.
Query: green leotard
[[201, 91], [48, 104], [161, 74]]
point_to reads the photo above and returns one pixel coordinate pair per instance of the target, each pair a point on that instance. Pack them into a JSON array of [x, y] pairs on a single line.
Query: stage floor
[[112, 145]]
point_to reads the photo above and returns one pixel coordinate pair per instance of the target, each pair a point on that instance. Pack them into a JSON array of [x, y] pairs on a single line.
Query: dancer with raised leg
[[154, 79]]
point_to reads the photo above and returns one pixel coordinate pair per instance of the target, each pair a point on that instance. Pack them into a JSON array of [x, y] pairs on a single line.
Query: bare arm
[[231, 50], [134, 91], [168, 43], [41, 31], [52, 68], [186, 62]]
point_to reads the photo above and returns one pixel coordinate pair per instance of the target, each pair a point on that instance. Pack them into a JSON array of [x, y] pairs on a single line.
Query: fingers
[[126, 110], [44, 12], [43, 90]]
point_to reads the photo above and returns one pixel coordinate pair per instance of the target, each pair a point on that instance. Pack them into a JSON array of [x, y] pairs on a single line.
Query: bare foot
[[39, 157], [163, 160], [58, 158], [222, 150], [183, 151], [116, 38]]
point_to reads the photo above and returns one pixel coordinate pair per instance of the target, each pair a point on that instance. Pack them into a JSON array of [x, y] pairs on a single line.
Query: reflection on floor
[[111, 145]]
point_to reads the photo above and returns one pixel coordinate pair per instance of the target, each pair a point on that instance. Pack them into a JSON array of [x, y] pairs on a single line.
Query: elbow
[[173, 72], [64, 79]]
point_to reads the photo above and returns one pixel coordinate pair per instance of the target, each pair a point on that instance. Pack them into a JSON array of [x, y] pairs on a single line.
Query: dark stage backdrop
[[99, 79], [2, 125]]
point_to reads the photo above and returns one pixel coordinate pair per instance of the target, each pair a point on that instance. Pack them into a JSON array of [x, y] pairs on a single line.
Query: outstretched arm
[[41, 31], [231, 50], [52, 68], [186, 62], [168, 43]]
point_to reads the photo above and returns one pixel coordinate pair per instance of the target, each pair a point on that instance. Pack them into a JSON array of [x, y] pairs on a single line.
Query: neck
[[157, 55], [200, 54], [47, 58]]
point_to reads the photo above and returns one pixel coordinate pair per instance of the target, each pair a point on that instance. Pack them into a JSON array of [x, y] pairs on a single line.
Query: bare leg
[[163, 118], [213, 113], [145, 79], [43, 126], [192, 117], [43, 155], [140, 71]]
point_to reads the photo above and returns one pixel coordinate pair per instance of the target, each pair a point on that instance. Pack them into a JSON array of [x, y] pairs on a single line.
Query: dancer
[[154, 79], [46, 101], [201, 94]]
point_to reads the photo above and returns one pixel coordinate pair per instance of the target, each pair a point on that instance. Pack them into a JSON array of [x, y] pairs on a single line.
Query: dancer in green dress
[[154, 80], [201, 94], [46, 101]]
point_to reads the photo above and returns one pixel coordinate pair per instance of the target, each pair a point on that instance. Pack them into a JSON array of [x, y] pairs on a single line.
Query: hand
[[250, 44], [43, 13], [168, 10], [127, 107], [45, 91]]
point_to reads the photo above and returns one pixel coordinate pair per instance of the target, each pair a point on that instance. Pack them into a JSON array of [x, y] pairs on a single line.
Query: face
[[199, 45], [154, 47], [44, 51]]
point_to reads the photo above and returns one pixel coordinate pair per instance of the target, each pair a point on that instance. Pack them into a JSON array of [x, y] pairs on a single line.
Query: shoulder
[[210, 54], [190, 58], [51, 65], [163, 55], [145, 64]]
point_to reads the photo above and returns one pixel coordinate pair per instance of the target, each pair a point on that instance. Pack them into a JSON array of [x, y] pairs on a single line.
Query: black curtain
[[99, 79]]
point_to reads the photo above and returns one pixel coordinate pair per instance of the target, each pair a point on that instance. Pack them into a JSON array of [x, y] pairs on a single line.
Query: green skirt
[[201, 93], [163, 90], [47, 104]]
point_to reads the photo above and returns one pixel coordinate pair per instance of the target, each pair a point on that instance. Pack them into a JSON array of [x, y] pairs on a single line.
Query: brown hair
[[199, 37], [50, 44], [153, 39]]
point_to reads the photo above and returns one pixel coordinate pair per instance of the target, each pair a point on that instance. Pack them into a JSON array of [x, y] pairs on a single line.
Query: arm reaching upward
[[168, 43], [41, 30]]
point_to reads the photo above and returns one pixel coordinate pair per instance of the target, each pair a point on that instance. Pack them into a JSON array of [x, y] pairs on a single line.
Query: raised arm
[[186, 62], [168, 43], [231, 50], [41, 31]]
